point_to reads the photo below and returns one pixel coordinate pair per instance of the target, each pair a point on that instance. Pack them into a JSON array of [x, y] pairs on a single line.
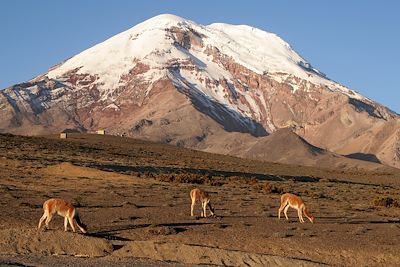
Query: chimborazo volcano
[[222, 88]]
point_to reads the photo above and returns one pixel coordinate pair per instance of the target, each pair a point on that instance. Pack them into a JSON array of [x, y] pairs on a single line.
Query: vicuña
[[291, 200], [197, 194], [64, 209]]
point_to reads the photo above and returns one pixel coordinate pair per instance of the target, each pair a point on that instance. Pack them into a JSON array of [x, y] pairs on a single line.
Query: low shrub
[[161, 230], [385, 202], [189, 178], [269, 188]]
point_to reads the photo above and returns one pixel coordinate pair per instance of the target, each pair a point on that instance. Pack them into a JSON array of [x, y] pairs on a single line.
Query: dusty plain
[[134, 197]]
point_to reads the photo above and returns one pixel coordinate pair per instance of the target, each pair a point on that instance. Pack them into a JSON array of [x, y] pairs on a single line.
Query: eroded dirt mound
[[67, 169], [70, 170], [192, 254], [52, 242]]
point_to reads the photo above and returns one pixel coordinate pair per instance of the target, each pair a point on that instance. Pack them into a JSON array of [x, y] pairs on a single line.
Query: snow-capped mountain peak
[[257, 50], [164, 41]]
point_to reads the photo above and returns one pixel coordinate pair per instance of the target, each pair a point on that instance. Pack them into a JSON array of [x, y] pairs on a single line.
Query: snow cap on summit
[[162, 21], [154, 44]]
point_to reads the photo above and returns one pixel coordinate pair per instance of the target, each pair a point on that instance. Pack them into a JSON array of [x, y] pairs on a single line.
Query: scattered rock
[[282, 234], [221, 225], [307, 234], [360, 230], [162, 230]]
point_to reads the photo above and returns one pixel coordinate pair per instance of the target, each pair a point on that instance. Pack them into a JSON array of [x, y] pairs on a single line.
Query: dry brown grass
[[189, 178], [131, 156], [269, 188]]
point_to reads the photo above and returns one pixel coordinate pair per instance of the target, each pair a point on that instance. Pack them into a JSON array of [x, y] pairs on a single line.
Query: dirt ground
[[137, 219]]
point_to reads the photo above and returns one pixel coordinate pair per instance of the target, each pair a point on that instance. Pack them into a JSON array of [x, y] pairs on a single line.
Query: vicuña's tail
[[80, 223]]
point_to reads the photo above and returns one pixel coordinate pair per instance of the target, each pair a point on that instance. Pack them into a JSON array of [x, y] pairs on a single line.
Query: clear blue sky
[[354, 42]]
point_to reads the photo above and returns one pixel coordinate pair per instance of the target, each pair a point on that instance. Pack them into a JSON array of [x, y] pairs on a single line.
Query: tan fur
[[64, 209], [293, 201], [197, 194]]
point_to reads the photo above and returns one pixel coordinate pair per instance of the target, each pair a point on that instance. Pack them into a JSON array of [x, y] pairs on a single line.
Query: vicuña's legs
[[48, 219], [42, 219], [65, 224], [192, 208], [283, 205], [300, 214], [285, 211], [71, 222]]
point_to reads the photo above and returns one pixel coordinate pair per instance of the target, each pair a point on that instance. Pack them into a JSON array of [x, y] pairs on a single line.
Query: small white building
[[103, 132], [63, 135]]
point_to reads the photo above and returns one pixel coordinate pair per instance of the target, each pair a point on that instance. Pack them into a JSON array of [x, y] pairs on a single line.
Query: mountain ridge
[[233, 78]]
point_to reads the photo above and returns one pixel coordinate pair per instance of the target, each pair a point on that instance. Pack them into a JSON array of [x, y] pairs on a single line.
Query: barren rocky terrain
[[134, 197]]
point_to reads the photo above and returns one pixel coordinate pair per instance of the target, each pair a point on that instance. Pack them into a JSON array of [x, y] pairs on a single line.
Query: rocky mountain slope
[[172, 80]]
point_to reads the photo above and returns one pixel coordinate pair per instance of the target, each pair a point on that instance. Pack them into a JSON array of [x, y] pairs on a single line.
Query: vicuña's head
[[81, 225], [309, 216], [85, 228]]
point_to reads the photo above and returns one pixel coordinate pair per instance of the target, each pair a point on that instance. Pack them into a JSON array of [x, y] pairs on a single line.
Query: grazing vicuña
[[64, 209], [290, 200], [197, 194]]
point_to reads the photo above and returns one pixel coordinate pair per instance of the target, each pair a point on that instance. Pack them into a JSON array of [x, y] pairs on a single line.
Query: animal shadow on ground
[[108, 234]]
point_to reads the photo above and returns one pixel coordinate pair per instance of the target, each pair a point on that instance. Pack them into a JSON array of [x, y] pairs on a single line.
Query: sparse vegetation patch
[[385, 202]]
